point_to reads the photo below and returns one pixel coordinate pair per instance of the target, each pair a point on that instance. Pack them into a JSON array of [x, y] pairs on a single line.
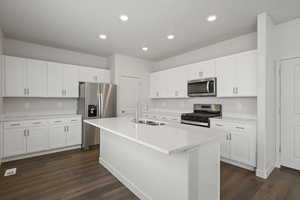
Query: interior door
[[38, 139], [55, 80], [129, 95], [15, 76], [290, 113], [36, 78]]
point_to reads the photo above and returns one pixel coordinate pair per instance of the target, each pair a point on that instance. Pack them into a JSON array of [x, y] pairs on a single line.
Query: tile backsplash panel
[[235, 107], [39, 106]]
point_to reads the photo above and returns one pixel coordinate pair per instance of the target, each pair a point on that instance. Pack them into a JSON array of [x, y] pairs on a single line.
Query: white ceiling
[[76, 24]]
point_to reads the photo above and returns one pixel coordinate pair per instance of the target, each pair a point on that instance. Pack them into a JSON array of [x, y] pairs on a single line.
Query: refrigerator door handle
[[101, 105]]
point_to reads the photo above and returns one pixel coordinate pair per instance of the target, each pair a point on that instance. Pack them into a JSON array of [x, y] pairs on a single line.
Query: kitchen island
[[164, 162]]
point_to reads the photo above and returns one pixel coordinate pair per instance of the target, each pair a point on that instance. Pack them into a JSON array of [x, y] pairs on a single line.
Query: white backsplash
[[233, 107], [38, 106]]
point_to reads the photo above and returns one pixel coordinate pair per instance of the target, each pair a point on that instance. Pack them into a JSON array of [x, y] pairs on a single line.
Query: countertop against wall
[[7, 118]]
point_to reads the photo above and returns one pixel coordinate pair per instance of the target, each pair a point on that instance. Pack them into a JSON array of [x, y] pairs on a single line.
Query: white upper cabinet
[[25, 77], [15, 74], [201, 70], [236, 75], [246, 73], [62, 80], [94, 75], [226, 76], [36, 78], [55, 80], [71, 83]]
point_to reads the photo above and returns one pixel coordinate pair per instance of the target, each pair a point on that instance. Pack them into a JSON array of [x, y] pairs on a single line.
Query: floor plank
[[77, 175]]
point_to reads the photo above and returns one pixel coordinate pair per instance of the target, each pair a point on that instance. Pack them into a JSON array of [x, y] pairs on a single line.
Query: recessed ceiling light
[[145, 48], [171, 37], [211, 18], [102, 36], [124, 18]]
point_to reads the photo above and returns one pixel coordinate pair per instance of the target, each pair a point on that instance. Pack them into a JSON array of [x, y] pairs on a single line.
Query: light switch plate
[[10, 172]]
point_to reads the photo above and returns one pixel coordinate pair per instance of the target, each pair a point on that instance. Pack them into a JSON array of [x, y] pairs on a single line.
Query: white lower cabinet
[[240, 145], [25, 137], [37, 139], [14, 142]]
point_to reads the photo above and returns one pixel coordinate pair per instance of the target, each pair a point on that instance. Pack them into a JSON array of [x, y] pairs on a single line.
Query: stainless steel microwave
[[202, 87]]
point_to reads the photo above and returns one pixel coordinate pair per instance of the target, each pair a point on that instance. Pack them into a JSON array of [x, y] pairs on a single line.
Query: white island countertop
[[168, 139]]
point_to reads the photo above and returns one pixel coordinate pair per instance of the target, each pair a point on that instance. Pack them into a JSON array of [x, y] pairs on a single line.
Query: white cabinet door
[[37, 139], [225, 144], [177, 82], [58, 136], [240, 147], [87, 74], [15, 74], [226, 76], [200, 70], [55, 80], [71, 82], [36, 78], [74, 134], [14, 142], [246, 69], [154, 93]]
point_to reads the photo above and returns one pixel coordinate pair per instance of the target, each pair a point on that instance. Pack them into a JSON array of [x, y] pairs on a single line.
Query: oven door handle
[[207, 87]]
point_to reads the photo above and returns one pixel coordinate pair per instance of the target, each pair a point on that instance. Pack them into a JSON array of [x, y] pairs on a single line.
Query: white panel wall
[[1, 51], [39, 106], [227, 47], [287, 37], [122, 65], [30, 50], [234, 106], [266, 97]]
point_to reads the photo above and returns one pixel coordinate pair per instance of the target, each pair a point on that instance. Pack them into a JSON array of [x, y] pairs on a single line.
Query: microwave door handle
[[207, 86]]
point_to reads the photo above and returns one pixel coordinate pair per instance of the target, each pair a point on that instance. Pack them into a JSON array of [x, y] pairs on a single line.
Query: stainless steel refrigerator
[[96, 100]]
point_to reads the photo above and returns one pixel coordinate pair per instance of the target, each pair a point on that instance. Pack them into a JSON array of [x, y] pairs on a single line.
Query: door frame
[[279, 67]]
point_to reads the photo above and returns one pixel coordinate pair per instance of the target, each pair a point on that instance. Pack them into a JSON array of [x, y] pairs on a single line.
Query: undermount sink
[[149, 122]]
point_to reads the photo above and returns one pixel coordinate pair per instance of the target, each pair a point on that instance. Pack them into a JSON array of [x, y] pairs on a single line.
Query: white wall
[[240, 107], [266, 99], [30, 50], [224, 48], [39, 106], [287, 37], [128, 66], [1, 51]]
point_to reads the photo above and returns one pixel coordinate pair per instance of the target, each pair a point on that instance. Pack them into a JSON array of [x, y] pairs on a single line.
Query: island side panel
[[148, 173], [204, 172]]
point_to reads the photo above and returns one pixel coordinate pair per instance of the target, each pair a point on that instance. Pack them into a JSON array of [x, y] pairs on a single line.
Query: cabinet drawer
[[74, 120], [35, 123], [57, 121], [14, 124]]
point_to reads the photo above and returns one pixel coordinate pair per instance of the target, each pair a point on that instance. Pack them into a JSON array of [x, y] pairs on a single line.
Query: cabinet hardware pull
[[57, 121], [220, 125], [238, 127], [27, 132], [24, 91], [229, 136], [24, 132], [36, 123], [15, 124]]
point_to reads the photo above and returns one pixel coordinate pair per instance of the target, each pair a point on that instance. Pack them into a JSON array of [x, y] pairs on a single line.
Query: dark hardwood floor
[[77, 175]]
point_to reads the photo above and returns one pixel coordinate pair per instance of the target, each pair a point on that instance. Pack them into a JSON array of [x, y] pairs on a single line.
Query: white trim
[[265, 173], [238, 164], [7, 159], [132, 187]]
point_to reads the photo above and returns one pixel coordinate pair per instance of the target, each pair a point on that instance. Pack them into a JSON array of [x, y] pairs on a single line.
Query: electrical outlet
[[10, 172]]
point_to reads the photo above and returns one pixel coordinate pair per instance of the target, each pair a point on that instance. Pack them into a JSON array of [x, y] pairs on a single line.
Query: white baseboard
[[12, 158], [132, 187], [238, 164], [265, 173]]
